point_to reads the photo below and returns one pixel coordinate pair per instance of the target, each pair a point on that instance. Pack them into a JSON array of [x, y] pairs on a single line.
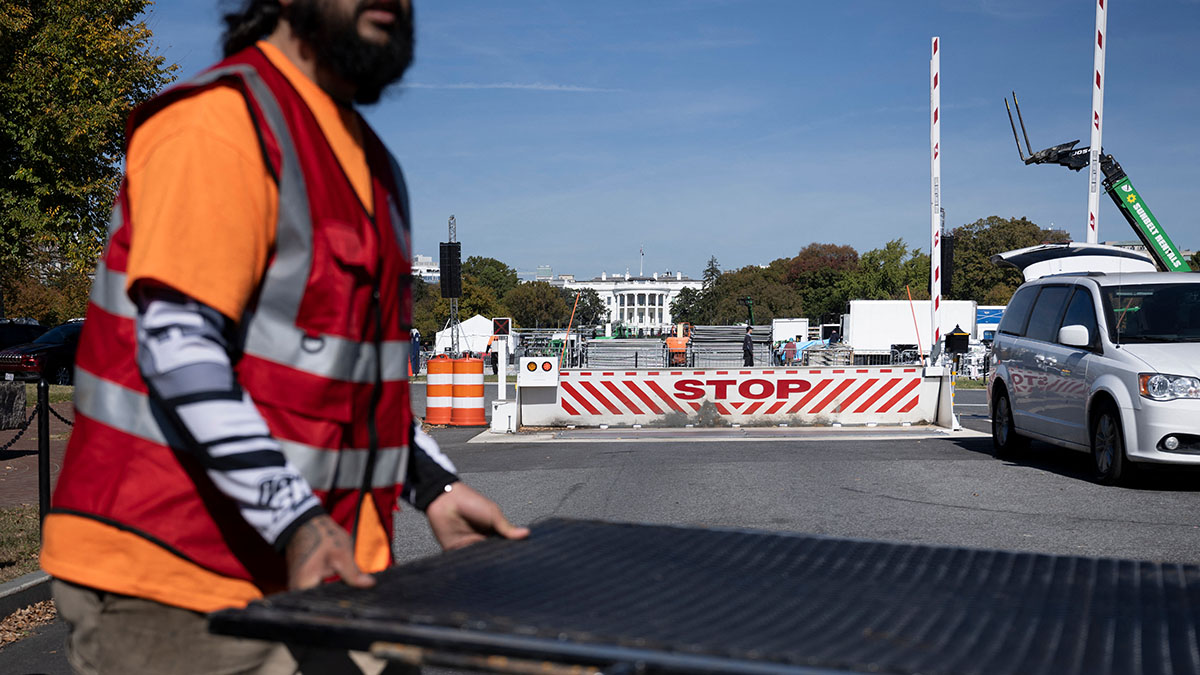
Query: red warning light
[[547, 365]]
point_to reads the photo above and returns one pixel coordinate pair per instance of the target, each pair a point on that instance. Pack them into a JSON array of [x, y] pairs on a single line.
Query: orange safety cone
[[468, 394], [439, 389]]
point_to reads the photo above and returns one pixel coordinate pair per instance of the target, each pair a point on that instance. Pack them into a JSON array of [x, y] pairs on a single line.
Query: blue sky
[[570, 133]]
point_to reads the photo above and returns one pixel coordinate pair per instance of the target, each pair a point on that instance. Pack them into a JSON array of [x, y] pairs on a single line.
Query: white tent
[[473, 336]]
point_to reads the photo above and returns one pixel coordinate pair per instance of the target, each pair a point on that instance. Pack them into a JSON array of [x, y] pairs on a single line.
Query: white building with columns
[[639, 301]]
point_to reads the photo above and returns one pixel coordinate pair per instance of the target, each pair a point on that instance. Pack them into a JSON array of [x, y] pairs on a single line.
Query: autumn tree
[[425, 297], [888, 273], [70, 72], [820, 273], [431, 311], [773, 297], [975, 276], [491, 273], [537, 304]]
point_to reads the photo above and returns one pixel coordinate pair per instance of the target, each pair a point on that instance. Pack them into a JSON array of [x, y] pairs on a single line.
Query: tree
[[773, 298], [491, 273], [712, 272], [70, 72], [431, 311], [888, 273], [1196, 261], [975, 276], [425, 299], [537, 304], [820, 273], [590, 310], [688, 307]]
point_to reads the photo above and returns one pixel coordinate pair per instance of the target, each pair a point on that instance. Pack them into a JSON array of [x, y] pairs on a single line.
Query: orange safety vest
[[323, 353]]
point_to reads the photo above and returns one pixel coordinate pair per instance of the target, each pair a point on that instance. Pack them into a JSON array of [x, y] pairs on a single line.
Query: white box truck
[[876, 325]]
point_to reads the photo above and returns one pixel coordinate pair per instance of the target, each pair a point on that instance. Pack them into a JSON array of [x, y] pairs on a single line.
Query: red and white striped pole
[[1094, 185], [935, 194]]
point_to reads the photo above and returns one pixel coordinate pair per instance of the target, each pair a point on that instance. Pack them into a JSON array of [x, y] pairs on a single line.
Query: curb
[[23, 591]]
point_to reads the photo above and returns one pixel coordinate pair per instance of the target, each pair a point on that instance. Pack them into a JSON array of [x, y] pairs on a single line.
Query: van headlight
[[1161, 387]]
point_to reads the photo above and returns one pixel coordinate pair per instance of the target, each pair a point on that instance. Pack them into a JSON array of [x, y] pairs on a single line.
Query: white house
[[425, 269], [640, 302]]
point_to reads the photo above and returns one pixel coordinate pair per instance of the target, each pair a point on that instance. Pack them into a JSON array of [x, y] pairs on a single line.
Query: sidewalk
[[19, 464]]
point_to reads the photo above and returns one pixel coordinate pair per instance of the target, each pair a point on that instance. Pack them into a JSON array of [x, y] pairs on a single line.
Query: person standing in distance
[[748, 348], [242, 400], [414, 341]]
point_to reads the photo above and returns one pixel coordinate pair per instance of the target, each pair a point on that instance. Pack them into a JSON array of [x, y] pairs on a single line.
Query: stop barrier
[[886, 395]]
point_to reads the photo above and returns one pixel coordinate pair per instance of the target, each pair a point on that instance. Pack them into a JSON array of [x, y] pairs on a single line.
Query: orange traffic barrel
[[439, 389], [468, 394]]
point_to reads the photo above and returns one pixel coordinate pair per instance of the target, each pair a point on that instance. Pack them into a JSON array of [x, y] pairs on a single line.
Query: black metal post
[[43, 415]]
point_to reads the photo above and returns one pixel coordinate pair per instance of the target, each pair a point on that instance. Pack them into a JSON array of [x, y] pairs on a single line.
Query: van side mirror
[[1074, 336]]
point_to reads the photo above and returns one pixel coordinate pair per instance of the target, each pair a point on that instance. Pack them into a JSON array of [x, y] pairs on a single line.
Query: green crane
[[1129, 201]]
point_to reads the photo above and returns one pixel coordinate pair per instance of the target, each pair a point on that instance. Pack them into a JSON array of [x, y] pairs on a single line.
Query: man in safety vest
[[242, 399], [493, 354]]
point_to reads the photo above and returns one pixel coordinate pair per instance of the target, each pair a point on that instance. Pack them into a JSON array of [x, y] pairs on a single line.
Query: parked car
[[1104, 363], [51, 355], [19, 331]]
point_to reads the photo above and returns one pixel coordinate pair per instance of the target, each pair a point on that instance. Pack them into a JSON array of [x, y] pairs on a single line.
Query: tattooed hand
[[321, 549]]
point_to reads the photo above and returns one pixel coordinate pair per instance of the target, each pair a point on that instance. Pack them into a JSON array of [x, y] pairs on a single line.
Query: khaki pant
[[113, 633]]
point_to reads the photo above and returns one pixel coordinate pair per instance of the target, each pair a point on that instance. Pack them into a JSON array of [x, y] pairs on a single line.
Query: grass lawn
[[967, 383], [59, 393], [19, 541]]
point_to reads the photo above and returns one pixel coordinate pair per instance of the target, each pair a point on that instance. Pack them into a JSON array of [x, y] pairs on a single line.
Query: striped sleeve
[[183, 355]]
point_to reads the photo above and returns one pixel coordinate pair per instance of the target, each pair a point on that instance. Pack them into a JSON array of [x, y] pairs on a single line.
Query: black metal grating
[[745, 601]]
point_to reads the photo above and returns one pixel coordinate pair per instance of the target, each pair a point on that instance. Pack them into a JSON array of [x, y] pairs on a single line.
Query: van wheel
[[1006, 442], [63, 375], [1108, 447]]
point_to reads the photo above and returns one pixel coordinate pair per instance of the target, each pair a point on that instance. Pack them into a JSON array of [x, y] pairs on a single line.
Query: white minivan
[[1105, 363]]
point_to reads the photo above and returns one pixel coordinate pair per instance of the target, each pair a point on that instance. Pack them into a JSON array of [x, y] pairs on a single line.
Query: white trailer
[[786, 329], [876, 325]]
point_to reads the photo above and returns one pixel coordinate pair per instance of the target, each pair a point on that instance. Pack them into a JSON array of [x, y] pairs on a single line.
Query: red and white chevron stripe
[[1097, 126], [935, 192], [855, 395]]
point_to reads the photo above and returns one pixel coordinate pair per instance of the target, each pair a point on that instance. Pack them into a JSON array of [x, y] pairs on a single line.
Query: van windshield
[[1153, 313]]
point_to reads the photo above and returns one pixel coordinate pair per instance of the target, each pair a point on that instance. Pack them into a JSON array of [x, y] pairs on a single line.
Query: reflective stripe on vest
[[348, 465], [328, 356], [130, 412]]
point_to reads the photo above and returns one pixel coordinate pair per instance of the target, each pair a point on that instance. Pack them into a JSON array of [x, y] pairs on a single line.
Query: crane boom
[[1129, 201]]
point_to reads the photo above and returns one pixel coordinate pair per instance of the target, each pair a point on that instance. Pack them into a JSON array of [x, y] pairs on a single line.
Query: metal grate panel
[[696, 600]]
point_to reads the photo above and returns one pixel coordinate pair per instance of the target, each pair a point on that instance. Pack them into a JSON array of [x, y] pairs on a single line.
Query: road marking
[[725, 435]]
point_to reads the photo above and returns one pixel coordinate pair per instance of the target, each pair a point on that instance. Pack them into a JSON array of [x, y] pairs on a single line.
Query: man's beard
[[370, 67]]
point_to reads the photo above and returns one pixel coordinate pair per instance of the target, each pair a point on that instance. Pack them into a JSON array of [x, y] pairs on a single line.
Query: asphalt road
[[935, 490]]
